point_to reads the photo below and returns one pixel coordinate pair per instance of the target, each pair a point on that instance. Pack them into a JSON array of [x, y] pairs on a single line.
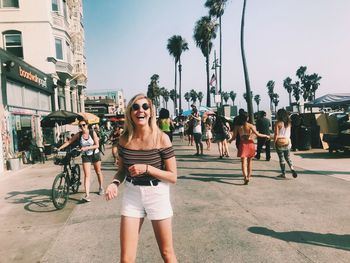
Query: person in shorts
[[147, 163], [89, 143]]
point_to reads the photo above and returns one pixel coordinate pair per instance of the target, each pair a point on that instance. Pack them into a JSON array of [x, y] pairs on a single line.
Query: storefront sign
[[18, 122], [32, 77]]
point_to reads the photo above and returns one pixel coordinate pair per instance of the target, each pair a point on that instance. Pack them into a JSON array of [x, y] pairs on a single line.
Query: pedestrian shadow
[[219, 178], [317, 239], [38, 200], [323, 155]]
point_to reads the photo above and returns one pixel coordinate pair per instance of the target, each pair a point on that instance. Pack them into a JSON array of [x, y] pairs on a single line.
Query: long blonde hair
[[129, 125]]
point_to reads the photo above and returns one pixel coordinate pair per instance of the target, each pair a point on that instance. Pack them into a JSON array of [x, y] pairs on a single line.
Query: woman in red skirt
[[246, 148]]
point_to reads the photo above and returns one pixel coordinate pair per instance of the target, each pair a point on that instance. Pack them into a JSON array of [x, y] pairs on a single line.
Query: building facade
[[49, 35], [43, 66]]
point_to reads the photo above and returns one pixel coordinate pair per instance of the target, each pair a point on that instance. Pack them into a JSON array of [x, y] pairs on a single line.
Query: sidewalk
[[216, 217]]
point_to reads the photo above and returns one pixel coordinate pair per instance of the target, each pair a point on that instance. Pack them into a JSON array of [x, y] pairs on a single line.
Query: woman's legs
[[163, 232], [87, 173], [244, 168], [129, 235], [249, 167], [115, 153], [226, 150], [97, 167], [220, 149]]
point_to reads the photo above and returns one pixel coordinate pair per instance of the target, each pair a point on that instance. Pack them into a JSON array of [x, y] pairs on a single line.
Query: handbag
[[282, 141]]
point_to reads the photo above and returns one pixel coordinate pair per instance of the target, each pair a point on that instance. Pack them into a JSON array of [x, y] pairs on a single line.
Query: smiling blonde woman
[[147, 165]]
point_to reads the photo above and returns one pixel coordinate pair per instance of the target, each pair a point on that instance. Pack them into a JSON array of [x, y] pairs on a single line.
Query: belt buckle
[[151, 182]]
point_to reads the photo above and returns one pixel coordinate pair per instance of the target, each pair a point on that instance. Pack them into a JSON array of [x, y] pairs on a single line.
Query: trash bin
[[304, 138]]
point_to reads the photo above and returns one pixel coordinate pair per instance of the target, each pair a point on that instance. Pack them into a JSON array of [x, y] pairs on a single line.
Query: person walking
[[219, 127], [246, 147], [89, 143], [197, 132], [148, 165], [235, 120], [263, 125], [114, 138], [165, 124], [282, 141]]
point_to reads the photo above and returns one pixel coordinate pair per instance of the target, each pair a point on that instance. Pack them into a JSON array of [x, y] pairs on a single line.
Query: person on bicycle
[[148, 164], [89, 143]]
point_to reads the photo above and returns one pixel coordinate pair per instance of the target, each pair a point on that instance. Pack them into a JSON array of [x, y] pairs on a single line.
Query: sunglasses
[[82, 125], [136, 106]]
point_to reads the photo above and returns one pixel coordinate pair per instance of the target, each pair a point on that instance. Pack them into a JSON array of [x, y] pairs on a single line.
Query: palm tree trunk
[[207, 69], [246, 77], [180, 70], [220, 89], [175, 86], [290, 98]]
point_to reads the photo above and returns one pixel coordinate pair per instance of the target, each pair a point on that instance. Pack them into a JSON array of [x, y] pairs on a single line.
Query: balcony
[[62, 66]]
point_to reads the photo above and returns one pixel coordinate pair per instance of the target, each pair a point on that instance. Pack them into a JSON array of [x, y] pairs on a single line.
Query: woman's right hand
[[111, 191]]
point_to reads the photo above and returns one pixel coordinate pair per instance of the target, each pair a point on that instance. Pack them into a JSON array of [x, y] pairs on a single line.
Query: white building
[[49, 35], [116, 95]]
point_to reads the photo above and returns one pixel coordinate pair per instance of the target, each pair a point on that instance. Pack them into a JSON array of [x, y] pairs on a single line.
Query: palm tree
[[187, 98], [225, 96], [200, 97], [245, 95], [161, 92], [287, 84], [270, 91], [257, 100], [296, 93], [153, 91], [204, 32], [246, 77], [176, 45], [216, 9], [173, 97], [193, 95], [275, 101], [233, 97], [166, 96], [315, 82]]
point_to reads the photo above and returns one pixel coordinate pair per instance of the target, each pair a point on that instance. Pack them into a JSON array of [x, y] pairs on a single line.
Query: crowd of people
[[145, 161]]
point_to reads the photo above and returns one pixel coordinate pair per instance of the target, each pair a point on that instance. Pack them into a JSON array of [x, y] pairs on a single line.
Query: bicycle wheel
[[60, 191], [75, 178]]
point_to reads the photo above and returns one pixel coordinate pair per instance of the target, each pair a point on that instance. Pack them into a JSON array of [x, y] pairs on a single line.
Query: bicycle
[[68, 179]]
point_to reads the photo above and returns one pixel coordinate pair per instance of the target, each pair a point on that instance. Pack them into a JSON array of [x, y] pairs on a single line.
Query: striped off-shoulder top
[[153, 157]]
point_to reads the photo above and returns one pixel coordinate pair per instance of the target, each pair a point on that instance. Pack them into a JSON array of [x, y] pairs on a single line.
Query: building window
[[13, 42], [59, 49], [65, 9], [9, 3], [55, 6]]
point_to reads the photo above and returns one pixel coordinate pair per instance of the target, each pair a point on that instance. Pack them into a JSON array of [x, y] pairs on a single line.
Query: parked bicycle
[[68, 179]]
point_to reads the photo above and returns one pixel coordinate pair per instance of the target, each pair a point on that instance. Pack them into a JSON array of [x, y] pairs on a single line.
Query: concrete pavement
[[217, 218]]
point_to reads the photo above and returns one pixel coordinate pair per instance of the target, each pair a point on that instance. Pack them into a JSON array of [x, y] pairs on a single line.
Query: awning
[[330, 100]]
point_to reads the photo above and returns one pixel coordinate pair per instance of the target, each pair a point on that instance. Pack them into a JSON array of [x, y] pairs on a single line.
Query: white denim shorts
[[151, 201]]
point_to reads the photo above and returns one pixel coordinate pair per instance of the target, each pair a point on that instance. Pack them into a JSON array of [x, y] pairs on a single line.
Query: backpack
[[91, 133]]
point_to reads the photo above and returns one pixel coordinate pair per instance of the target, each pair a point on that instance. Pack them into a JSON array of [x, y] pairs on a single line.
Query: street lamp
[[214, 67]]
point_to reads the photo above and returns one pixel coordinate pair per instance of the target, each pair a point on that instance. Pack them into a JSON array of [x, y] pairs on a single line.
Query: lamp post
[[215, 66]]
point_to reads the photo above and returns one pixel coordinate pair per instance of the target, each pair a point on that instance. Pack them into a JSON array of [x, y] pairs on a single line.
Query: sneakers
[[86, 199], [101, 191]]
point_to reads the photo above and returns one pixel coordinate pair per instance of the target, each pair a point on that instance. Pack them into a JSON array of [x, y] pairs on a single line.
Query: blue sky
[[126, 44]]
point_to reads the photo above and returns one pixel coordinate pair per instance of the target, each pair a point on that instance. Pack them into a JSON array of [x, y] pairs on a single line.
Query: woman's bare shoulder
[[122, 141], [164, 141]]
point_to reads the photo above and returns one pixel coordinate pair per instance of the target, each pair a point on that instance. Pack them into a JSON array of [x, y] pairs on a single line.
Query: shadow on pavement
[[219, 178], [305, 237], [323, 155], [38, 200]]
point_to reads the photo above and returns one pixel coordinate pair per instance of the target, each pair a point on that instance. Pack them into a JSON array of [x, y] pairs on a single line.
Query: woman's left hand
[[137, 169]]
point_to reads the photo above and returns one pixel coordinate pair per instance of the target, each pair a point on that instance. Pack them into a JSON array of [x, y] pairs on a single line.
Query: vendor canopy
[[330, 100]]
